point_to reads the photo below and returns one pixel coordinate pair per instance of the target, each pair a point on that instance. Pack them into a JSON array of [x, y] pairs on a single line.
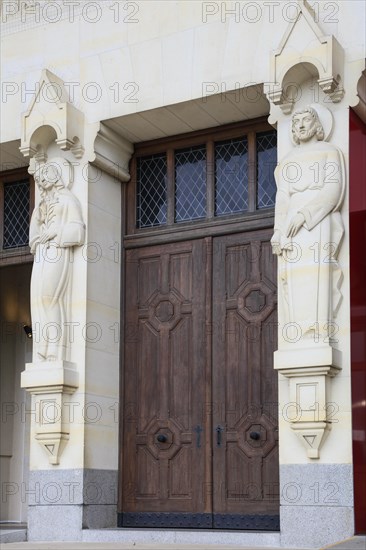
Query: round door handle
[[255, 435], [162, 438]]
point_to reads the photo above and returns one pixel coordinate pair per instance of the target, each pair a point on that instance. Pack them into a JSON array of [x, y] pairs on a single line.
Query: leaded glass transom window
[[266, 164], [190, 184], [16, 214], [225, 172], [151, 193], [231, 176]]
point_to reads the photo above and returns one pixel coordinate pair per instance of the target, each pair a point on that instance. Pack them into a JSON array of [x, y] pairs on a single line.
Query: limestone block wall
[[103, 318], [119, 59]]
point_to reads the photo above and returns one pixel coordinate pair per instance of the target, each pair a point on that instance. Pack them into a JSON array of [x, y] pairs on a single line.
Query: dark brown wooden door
[[245, 457], [165, 443], [199, 437]]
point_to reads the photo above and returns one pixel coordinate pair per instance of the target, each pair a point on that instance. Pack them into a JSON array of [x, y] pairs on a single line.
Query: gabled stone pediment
[[304, 23], [305, 52], [51, 116]]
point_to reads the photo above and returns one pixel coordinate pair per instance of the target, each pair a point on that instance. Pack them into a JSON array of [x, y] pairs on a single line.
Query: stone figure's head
[[55, 173], [305, 125]]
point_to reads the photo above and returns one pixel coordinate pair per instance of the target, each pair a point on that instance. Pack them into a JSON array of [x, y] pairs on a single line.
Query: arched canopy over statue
[[308, 231], [56, 227]]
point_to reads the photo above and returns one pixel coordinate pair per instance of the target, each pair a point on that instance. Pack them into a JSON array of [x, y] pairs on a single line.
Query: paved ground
[[355, 543]]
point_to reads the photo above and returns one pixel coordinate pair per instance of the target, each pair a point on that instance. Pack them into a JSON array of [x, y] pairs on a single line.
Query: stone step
[[126, 546], [185, 537], [8, 535], [354, 543]]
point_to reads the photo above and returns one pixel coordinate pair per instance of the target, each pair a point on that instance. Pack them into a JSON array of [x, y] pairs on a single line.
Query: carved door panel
[[245, 450], [165, 448]]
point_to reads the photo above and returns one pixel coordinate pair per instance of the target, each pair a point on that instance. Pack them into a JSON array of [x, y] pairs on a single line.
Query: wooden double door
[[199, 444]]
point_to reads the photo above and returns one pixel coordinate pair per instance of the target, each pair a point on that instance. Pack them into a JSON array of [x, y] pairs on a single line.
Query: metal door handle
[[219, 431], [198, 429]]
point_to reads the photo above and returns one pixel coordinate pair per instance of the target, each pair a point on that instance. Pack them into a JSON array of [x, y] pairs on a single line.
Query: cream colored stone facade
[[84, 81]]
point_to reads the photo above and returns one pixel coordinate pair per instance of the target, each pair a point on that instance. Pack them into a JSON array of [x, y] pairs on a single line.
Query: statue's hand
[[295, 224], [47, 236], [33, 246], [276, 243]]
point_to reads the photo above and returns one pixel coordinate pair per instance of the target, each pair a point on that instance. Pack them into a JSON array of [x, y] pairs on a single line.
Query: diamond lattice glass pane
[[16, 214], [151, 190], [266, 164], [190, 184], [231, 176]]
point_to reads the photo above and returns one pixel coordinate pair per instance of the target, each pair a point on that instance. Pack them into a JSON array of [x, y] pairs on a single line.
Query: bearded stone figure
[[308, 232], [56, 227]]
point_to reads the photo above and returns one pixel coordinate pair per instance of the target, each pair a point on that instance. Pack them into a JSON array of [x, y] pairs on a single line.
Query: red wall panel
[[358, 311]]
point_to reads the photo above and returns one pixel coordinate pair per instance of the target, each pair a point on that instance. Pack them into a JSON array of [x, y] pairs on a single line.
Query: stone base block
[[329, 485], [99, 516], [51, 523], [316, 504], [63, 502], [315, 526]]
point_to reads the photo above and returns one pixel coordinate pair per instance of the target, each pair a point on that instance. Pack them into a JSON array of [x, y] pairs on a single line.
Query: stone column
[[73, 379]]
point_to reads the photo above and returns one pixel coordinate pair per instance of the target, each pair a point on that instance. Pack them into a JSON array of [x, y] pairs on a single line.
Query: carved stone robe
[[52, 268], [310, 181]]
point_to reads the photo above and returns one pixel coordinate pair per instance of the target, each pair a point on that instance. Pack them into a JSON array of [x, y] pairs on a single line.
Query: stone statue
[[56, 227], [308, 232]]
